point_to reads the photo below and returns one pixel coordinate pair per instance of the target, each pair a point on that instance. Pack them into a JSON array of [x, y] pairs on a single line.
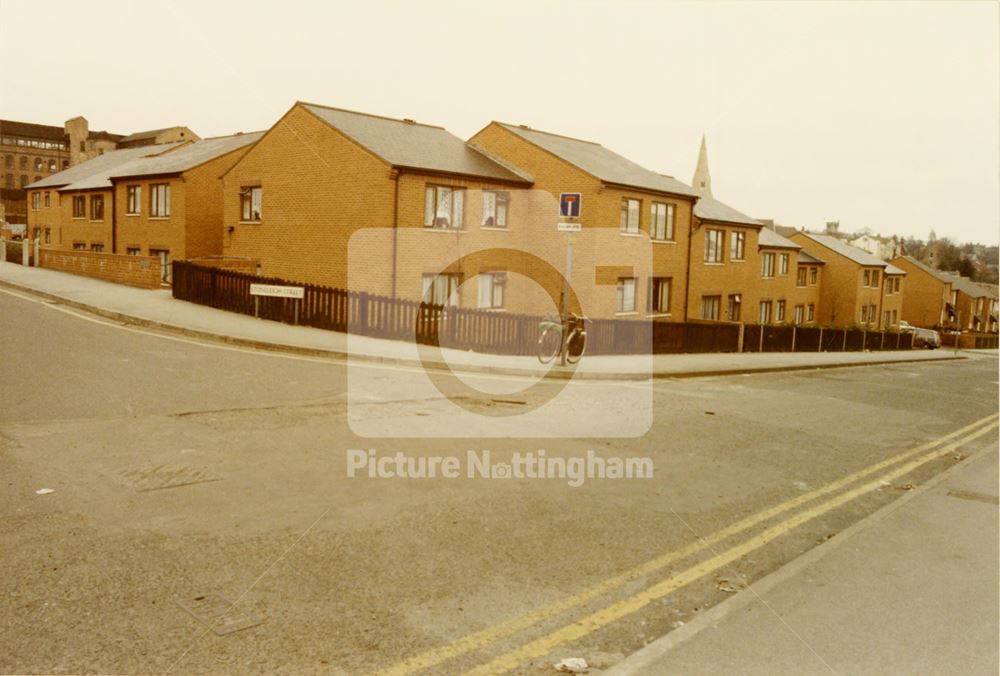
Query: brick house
[[930, 299], [975, 306], [633, 260], [170, 205], [859, 289], [74, 208], [414, 192]]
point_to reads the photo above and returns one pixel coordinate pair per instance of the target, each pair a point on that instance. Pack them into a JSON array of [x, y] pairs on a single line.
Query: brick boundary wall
[[141, 271], [234, 263]]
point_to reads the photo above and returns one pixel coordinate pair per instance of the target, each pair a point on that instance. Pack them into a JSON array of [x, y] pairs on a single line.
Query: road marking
[[601, 618], [481, 639]]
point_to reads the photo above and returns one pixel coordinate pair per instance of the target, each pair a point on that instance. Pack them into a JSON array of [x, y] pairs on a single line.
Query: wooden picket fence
[[507, 333]]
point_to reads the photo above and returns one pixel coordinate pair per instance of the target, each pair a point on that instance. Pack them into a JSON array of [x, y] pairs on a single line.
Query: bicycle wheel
[[548, 345], [576, 345]]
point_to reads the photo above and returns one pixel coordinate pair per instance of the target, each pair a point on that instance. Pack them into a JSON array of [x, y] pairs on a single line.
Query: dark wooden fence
[[368, 314]]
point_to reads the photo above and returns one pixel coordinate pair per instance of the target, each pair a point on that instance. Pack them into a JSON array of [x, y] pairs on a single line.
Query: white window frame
[[767, 265], [661, 221], [492, 290], [737, 245], [715, 241], [251, 204], [659, 302], [159, 200], [625, 295], [444, 207], [133, 200], [629, 217], [783, 264], [496, 205], [440, 287], [764, 312]]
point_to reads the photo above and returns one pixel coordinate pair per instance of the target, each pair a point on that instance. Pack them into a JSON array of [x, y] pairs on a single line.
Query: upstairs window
[[79, 206], [783, 264], [97, 207], [628, 220], [713, 245], [444, 207], [250, 203], [767, 265], [737, 245], [813, 276], [495, 206], [661, 227], [867, 280], [134, 199], [48, 199], [159, 200], [36, 200], [875, 279]]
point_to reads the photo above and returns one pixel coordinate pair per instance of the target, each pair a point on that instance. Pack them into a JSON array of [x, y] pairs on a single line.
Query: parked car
[[928, 338]]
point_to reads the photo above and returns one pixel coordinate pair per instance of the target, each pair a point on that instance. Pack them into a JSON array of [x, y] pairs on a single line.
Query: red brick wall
[[141, 271], [245, 265]]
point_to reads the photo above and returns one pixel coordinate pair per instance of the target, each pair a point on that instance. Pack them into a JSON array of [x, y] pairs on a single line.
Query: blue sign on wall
[[569, 204]]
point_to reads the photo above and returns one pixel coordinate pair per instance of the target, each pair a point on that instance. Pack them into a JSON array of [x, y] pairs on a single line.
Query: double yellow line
[[912, 459]]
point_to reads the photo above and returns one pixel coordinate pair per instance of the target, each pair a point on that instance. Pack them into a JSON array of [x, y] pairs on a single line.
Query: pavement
[[912, 589], [158, 309]]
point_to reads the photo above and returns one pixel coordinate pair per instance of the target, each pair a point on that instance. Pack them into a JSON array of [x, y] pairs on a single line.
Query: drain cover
[[166, 476], [218, 614]]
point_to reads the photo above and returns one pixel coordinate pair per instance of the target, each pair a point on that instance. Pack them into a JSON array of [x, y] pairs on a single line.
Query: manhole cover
[[166, 476], [218, 614]]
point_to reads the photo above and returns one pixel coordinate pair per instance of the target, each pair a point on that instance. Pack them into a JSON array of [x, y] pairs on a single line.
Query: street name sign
[[277, 291]]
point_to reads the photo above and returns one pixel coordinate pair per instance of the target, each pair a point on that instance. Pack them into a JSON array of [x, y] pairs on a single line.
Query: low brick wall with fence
[[141, 271], [502, 332]]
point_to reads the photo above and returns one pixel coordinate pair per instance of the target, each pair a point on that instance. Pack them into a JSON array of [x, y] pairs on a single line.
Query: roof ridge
[[552, 133], [239, 133], [378, 117]]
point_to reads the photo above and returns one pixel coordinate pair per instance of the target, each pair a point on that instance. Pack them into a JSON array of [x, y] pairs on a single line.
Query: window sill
[[448, 231], [737, 260], [159, 218], [630, 313], [93, 221], [494, 228], [248, 222], [714, 264], [79, 218], [663, 241], [654, 315], [630, 234], [132, 215]]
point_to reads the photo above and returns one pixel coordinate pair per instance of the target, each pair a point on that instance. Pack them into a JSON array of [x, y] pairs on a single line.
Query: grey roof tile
[[185, 157], [859, 256], [92, 172], [600, 162], [933, 272], [711, 209], [412, 145]]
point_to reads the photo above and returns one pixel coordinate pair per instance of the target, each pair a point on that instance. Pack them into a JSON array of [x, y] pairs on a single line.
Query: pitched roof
[[185, 157], [600, 162], [933, 272], [143, 135], [710, 209], [408, 144], [968, 287], [859, 256], [94, 173], [891, 269], [806, 257], [770, 238]]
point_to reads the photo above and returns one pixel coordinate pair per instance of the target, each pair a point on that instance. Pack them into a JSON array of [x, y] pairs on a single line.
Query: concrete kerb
[[335, 355], [643, 659]]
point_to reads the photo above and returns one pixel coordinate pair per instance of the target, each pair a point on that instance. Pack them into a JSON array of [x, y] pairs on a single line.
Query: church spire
[[702, 180]]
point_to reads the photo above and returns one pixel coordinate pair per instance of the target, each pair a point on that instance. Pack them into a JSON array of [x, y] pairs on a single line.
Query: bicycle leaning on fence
[[558, 336]]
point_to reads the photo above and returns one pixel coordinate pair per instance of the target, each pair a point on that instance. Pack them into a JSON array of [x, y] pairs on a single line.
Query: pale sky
[[879, 115]]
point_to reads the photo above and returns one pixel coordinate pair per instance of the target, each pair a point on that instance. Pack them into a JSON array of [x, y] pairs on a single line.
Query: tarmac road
[[182, 469]]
